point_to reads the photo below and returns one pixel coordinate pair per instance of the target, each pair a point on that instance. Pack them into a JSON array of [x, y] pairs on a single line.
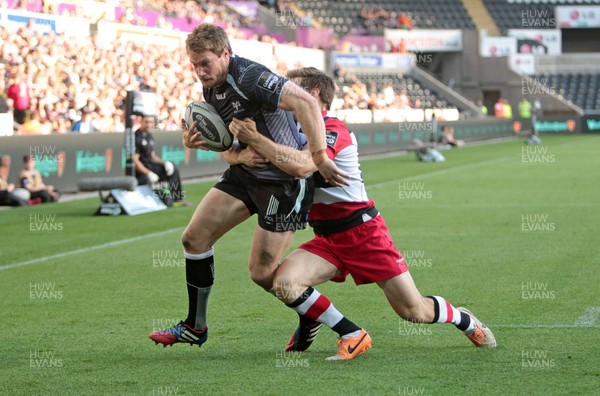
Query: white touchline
[[88, 249], [541, 326], [587, 320]]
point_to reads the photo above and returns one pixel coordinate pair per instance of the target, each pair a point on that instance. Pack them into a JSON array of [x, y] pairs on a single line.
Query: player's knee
[[282, 286], [192, 243], [187, 241]]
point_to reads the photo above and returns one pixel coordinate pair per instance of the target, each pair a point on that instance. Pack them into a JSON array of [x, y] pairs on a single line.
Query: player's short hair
[[310, 77], [207, 37]]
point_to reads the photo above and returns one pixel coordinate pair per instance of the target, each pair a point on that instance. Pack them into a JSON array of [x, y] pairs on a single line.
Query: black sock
[[200, 275], [344, 327]]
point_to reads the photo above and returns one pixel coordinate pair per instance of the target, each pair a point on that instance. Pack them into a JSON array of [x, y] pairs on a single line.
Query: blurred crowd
[[355, 94], [205, 10], [57, 84], [375, 18]]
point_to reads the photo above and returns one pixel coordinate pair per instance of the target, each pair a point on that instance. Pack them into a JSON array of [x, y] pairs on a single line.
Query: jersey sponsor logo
[[221, 96], [237, 106], [331, 137], [268, 81]]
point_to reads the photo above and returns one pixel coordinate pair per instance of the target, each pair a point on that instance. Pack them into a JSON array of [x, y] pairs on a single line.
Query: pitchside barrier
[[64, 160]]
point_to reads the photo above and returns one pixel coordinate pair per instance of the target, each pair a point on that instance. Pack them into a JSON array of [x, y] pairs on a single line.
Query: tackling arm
[[293, 162], [307, 112]]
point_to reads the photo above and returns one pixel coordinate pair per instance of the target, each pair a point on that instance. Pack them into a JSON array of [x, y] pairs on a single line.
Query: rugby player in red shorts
[[350, 238]]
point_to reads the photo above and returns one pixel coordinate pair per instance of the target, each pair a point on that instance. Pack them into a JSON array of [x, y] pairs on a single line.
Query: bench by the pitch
[[122, 194]]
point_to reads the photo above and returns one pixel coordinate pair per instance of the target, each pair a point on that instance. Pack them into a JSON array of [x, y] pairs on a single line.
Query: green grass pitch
[[509, 231]]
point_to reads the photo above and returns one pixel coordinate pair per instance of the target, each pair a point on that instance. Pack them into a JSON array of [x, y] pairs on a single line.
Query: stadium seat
[[343, 16], [511, 14], [579, 88]]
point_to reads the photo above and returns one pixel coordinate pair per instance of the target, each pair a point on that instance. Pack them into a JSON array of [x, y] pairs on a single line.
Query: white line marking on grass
[[588, 319], [88, 249], [505, 205], [542, 326], [439, 172]]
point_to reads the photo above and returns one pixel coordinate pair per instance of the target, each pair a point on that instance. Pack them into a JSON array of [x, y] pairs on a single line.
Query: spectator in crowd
[[9, 195], [508, 113], [118, 122], [4, 107], [84, 125], [34, 126], [20, 94], [525, 108], [535, 116], [482, 107], [374, 18], [401, 48], [31, 180], [403, 100], [499, 108], [404, 22], [448, 138], [536, 112], [388, 93]]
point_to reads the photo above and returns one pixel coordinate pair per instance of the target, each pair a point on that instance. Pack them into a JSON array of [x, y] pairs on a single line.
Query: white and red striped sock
[[316, 306], [444, 312]]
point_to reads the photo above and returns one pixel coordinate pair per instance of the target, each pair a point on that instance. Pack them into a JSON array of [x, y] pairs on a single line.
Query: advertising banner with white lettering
[[425, 40], [357, 61], [398, 62], [63, 160], [591, 123], [537, 41], [578, 16]]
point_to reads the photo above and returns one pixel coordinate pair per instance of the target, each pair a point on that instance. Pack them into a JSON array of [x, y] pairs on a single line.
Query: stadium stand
[[582, 89], [365, 90], [411, 87], [94, 80], [155, 13], [344, 16], [528, 14]]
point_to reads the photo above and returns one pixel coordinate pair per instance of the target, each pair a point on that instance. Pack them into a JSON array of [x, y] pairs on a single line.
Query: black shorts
[[280, 205]]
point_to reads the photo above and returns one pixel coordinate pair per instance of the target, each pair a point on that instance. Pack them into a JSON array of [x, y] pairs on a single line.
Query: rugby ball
[[212, 128]]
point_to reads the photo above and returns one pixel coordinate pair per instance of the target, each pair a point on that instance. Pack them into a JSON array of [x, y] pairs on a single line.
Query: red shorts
[[366, 251]]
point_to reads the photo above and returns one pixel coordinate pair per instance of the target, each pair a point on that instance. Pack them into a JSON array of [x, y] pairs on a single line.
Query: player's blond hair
[[310, 77], [207, 37]]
